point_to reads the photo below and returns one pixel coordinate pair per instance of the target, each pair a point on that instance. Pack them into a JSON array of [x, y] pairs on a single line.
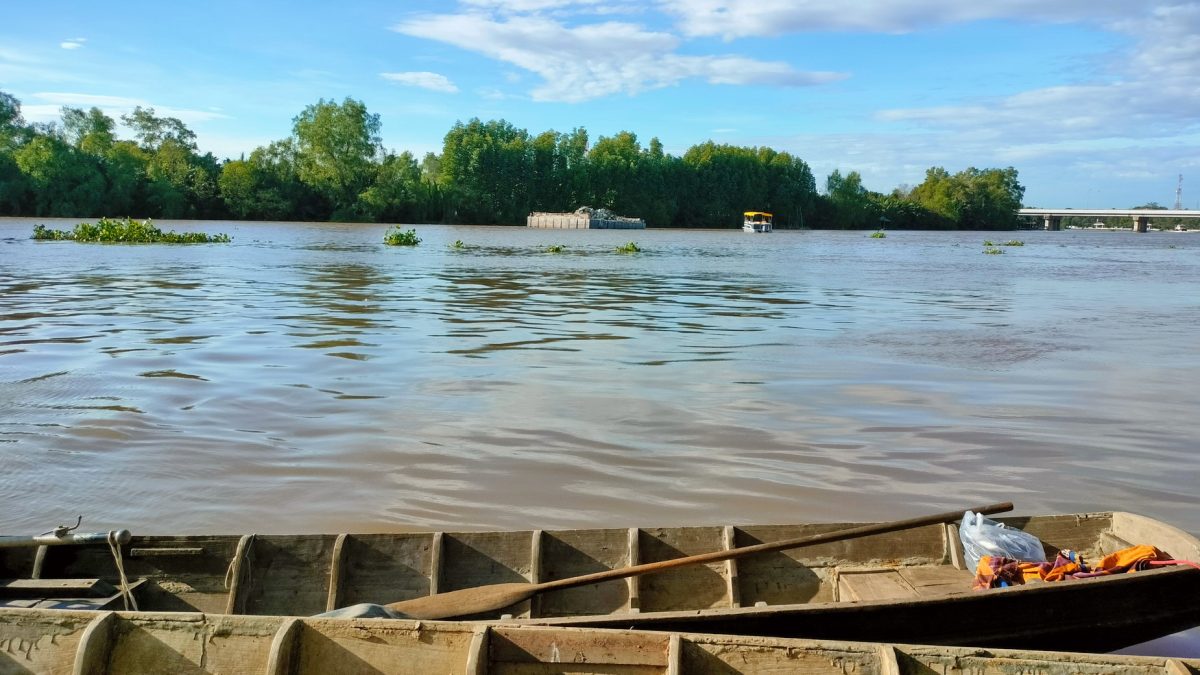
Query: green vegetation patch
[[127, 231], [458, 245], [1013, 242], [880, 234], [397, 237], [991, 250], [630, 247], [557, 248]]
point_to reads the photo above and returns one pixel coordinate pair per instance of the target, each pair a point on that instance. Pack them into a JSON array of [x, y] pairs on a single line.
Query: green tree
[[614, 162], [976, 199], [337, 146], [431, 167], [13, 185], [239, 188], [485, 169], [791, 188], [65, 182], [125, 168], [726, 180], [267, 186], [396, 193], [153, 130], [90, 131], [852, 205]]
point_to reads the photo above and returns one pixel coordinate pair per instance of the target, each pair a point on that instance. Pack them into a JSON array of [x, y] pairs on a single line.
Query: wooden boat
[[908, 586], [42, 641]]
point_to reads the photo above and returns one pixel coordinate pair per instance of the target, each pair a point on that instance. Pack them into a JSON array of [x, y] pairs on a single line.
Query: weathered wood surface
[[88, 643], [906, 586]]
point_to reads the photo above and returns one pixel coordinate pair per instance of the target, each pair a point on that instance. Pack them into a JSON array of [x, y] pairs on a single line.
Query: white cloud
[[525, 6], [1154, 93], [744, 18], [1136, 123], [600, 59], [493, 94], [424, 80], [73, 43], [556, 7], [48, 107]]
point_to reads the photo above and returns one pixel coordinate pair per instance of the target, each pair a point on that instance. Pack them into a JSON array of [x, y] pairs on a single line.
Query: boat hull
[[1096, 615], [132, 642], [909, 586]]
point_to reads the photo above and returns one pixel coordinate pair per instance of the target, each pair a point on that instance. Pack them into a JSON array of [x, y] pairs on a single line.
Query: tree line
[[334, 167]]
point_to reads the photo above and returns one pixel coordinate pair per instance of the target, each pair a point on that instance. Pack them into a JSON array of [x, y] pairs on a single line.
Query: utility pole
[[1179, 194]]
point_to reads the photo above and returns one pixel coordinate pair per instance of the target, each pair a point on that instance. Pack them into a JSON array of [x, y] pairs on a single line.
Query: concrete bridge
[[1141, 217]]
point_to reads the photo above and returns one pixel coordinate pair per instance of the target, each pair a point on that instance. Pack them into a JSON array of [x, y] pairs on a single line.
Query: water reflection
[[348, 303], [548, 309]]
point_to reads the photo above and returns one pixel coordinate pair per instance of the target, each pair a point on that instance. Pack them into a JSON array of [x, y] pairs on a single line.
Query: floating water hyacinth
[[397, 237], [126, 231]]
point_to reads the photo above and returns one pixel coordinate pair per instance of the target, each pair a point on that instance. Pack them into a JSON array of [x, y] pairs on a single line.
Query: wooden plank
[[39, 561], [236, 603], [287, 574], [173, 551], [937, 580], [1137, 529], [675, 655], [889, 661], [477, 653], [283, 647], [150, 642], [920, 545], [383, 568], [336, 575], [954, 548], [91, 656], [694, 587], [535, 571], [383, 647], [435, 563], [1177, 667], [472, 559], [876, 585], [54, 588], [528, 644], [635, 558], [731, 569], [572, 553], [1111, 543], [727, 655], [1078, 532], [927, 659]]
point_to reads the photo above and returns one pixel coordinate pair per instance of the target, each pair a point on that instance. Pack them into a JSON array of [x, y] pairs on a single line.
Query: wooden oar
[[497, 596]]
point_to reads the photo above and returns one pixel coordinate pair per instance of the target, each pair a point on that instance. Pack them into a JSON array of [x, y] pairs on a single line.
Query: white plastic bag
[[984, 536]]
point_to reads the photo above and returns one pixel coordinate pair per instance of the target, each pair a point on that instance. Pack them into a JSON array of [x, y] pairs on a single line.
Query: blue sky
[[1095, 102]]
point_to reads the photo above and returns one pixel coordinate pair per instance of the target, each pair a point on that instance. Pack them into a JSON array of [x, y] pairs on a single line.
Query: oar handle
[[10, 541], [771, 547]]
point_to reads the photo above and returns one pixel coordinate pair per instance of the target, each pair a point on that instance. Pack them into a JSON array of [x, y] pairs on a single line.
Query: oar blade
[[464, 602]]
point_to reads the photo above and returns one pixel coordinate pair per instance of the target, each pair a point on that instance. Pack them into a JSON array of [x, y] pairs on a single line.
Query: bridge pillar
[[1052, 222], [1141, 223]]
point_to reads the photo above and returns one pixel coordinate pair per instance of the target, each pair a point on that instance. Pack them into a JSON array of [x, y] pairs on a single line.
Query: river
[[307, 378]]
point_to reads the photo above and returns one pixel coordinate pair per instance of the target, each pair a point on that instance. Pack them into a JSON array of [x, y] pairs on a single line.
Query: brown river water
[[308, 378]]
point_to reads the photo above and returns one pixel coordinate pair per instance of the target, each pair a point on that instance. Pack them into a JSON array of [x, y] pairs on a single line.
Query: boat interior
[[302, 575]]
